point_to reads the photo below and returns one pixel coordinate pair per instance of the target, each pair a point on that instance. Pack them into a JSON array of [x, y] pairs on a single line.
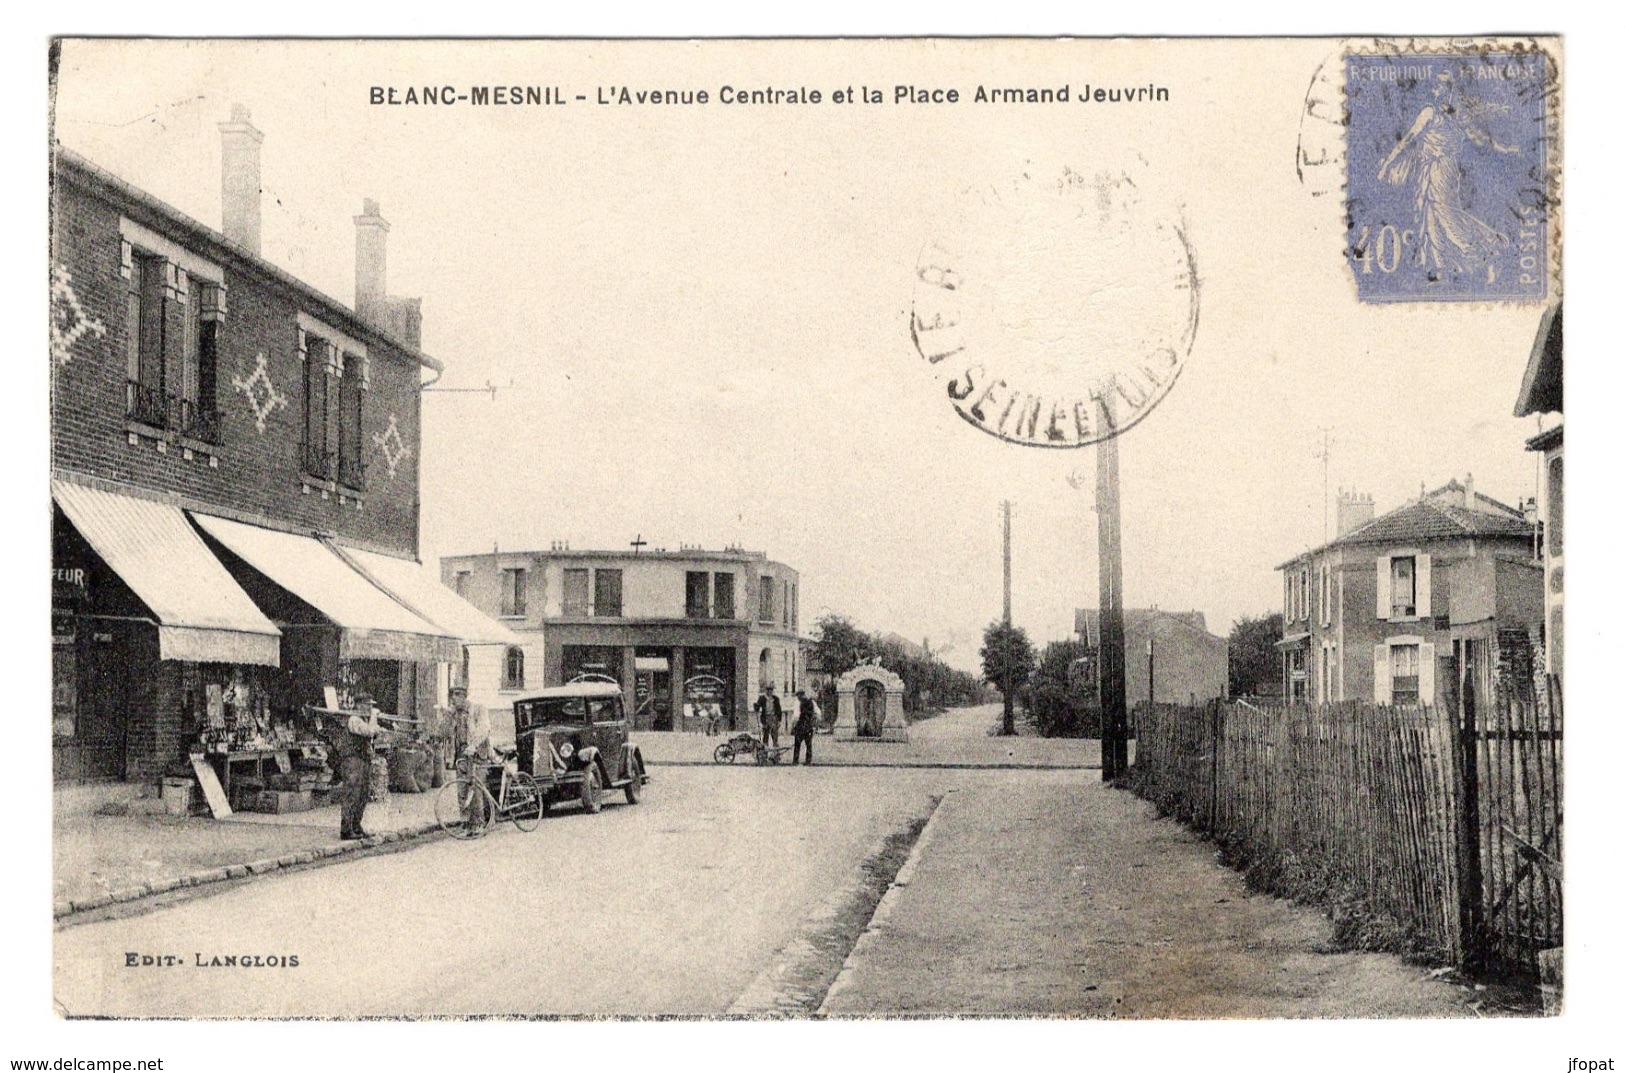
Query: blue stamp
[[1447, 176]]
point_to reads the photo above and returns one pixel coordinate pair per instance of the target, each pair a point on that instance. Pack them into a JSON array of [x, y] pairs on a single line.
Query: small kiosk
[[869, 705]]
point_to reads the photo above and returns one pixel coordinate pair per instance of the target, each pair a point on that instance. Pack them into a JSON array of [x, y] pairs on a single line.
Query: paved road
[[1034, 892], [669, 906]]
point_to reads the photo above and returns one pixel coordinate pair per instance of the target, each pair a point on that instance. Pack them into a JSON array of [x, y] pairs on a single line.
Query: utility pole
[[1006, 506], [1006, 687], [1113, 698], [1325, 456]]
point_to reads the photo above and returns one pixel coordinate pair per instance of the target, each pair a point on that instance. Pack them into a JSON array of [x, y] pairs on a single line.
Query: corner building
[[234, 475], [680, 631]]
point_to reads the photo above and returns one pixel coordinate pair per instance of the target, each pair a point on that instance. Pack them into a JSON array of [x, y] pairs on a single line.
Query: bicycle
[[466, 808]]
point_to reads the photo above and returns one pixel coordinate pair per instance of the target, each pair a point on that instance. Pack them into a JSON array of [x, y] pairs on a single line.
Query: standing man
[[771, 713], [471, 745], [351, 742], [470, 729], [805, 726]]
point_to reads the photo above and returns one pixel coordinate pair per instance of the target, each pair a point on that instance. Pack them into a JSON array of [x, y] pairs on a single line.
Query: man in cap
[[770, 710], [351, 741], [471, 744]]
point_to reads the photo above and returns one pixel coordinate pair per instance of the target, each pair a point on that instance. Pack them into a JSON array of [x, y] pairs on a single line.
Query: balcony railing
[[155, 407], [317, 460]]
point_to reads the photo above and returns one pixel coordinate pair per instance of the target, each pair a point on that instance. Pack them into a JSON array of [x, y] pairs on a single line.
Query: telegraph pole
[[1113, 698], [1325, 456], [1006, 506], [1005, 686]]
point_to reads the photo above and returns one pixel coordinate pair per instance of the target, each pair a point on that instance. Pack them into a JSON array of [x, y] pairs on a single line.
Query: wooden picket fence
[[1436, 834]]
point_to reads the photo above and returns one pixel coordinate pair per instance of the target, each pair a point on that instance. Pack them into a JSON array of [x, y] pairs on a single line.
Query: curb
[[942, 765], [775, 992], [888, 902], [62, 910]]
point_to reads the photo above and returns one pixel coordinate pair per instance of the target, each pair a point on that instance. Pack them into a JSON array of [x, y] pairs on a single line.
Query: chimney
[[240, 180], [1531, 511], [1467, 502], [1354, 509], [371, 244]]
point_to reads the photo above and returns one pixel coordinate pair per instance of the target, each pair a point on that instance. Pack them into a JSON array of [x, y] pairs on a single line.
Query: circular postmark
[[1059, 310]]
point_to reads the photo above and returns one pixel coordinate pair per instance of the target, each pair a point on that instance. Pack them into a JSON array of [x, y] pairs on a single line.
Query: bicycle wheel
[[464, 808], [523, 802]]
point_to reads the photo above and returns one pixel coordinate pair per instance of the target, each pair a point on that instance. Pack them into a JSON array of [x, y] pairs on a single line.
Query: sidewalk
[[100, 859], [960, 737], [1072, 900]]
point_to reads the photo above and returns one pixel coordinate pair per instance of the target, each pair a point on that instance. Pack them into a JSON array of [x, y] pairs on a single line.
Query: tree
[[1062, 695], [1254, 659], [1007, 662]]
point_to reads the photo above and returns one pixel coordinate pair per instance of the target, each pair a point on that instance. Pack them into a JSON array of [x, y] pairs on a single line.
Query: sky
[[697, 317]]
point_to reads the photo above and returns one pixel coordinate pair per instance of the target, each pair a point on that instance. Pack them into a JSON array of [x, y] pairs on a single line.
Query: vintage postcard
[[807, 529]]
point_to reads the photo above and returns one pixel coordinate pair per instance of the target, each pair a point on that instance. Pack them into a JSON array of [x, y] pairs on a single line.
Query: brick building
[[234, 465], [678, 630], [1372, 614]]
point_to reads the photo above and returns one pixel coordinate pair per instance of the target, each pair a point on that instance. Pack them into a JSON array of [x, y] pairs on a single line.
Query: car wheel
[[634, 781], [724, 754], [592, 790]]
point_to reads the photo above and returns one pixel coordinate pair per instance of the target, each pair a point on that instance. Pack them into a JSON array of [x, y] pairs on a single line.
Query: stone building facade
[[679, 630]]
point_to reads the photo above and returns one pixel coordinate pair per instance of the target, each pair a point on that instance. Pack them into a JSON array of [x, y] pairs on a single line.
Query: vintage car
[[572, 740]]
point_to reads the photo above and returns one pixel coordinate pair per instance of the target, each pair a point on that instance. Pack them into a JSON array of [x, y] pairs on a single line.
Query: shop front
[[149, 634]]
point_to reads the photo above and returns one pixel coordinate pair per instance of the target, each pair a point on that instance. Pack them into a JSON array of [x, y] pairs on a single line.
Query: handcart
[[749, 745]]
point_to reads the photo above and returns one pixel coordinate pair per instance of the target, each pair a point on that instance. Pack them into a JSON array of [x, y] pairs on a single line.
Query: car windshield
[[549, 711]]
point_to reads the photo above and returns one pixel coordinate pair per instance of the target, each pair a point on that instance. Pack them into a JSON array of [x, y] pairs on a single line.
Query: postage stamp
[[1448, 176]]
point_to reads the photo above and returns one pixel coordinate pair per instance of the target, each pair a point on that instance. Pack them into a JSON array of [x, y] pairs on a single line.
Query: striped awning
[[373, 624], [420, 588], [203, 615]]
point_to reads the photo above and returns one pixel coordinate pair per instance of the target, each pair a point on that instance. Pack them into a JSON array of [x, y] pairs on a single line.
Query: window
[[351, 393], [513, 592], [784, 608], [1325, 595], [459, 583], [198, 414], [317, 455], [606, 593], [513, 668], [1406, 661], [765, 612], [174, 304], [1402, 569], [144, 340], [575, 592], [723, 584], [697, 594], [1297, 682]]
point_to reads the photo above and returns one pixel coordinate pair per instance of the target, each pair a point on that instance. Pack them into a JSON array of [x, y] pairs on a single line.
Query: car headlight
[[567, 750]]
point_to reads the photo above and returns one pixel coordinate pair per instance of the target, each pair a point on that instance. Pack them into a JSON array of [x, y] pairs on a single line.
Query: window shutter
[[1384, 674], [1424, 586], [1385, 586], [1424, 674]]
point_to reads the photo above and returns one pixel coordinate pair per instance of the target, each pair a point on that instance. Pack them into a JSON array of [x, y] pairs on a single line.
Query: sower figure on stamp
[[770, 711], [806, 725], [351, 741]]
